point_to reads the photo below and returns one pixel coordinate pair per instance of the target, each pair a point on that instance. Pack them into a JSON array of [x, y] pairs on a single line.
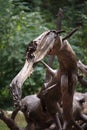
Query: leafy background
[[23, 20]]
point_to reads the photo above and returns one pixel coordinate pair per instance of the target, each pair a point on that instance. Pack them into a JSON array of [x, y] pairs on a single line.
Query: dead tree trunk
[[67, 76], [50, 43]]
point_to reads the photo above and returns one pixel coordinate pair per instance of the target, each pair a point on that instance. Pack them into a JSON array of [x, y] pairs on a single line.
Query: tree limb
[[70, 34], [82, 67], [8, 121], [14, 113]]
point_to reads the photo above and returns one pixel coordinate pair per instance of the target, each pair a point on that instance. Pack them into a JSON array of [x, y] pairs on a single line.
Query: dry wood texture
[[55, 107]]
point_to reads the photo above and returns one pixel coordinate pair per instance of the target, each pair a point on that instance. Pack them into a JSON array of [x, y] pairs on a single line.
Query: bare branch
[[50, 63], [70, 34], [82, 67], [8, 121], [60, 31], [48, 89], [50, 70], [14, 113]]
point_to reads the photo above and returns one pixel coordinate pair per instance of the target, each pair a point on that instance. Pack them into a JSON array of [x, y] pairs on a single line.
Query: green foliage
[[18, 30], [5, 98], [20, 22]]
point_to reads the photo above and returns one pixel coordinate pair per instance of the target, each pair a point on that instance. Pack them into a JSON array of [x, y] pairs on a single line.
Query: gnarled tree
[[55, 102]]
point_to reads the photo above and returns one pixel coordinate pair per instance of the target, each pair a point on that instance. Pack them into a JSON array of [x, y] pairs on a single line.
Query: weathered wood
[[50, 63], [41, 45], [82, 67], [9, 122], [50, 43], [62, 82], [40, 120], [70, 34], [68, 73]]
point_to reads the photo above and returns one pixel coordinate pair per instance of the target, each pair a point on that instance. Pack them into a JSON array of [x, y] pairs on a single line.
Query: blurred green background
[[23, 20]]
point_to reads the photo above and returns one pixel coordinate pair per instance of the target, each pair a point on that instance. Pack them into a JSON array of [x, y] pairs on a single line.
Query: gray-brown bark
[[82, 67], [41, 46], [8, 121], [59, 86], [66, 77], [40, 120]]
